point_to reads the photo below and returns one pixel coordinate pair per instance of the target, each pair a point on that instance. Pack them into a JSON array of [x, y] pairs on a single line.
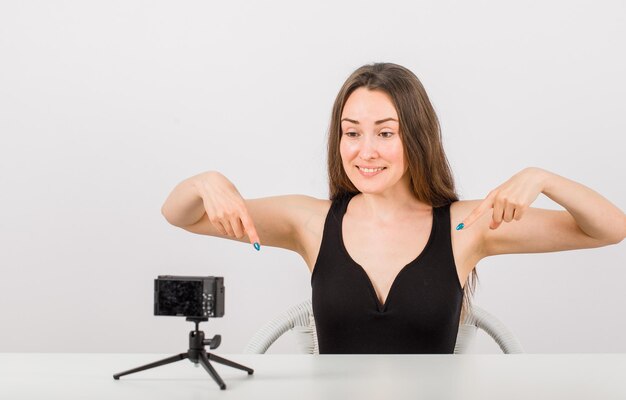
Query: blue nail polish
[[257, 246], [460, 226]]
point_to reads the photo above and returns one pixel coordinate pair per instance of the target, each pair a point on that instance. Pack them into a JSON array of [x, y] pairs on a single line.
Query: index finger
[[476, 213], [248, 226]]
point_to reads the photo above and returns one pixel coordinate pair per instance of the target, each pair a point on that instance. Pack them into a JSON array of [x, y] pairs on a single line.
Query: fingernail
[[257, 246], [460, 226]]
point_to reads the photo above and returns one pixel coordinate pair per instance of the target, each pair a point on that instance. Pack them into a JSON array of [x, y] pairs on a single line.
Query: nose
[[368, 148]]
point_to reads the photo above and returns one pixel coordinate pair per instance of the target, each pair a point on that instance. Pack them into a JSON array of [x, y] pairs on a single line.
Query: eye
[[351, 134], [387, 134]]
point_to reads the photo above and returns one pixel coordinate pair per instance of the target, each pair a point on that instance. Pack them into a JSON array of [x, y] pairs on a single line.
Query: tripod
[[196, 354]]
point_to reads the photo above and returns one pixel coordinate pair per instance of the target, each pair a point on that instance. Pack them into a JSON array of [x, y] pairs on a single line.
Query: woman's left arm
[[590, 219]]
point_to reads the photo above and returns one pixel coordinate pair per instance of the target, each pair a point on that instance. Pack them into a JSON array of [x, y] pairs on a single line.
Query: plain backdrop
[[106, 106]]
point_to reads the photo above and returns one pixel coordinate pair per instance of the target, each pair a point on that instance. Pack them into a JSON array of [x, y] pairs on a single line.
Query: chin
[[369, 189]]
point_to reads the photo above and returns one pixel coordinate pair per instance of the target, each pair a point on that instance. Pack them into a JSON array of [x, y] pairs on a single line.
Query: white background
[[106, 106]]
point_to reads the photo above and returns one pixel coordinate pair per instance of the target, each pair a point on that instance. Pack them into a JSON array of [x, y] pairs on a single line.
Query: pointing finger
[[248, 225], [476, 213]]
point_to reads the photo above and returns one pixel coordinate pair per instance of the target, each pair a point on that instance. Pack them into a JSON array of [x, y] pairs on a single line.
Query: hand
[[510, 200], [225, 207]]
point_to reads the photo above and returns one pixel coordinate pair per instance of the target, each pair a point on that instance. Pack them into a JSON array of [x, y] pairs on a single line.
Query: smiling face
[[371, 149]]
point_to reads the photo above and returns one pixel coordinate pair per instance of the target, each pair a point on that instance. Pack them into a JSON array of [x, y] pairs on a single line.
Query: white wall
[[106, 106]]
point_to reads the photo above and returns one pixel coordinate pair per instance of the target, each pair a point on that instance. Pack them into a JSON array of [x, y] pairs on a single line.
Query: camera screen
[[180, 298]]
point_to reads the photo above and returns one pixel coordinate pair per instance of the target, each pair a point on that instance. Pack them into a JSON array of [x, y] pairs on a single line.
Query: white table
[[524, 376]]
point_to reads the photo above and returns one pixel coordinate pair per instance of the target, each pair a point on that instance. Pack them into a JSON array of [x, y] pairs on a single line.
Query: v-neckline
[[381, 308]]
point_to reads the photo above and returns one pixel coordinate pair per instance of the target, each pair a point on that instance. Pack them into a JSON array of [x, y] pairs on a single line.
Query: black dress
[[422, 310]]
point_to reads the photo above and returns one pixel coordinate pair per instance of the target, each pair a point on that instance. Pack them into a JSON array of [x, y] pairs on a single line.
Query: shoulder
[[297, 208], [307, 205], [299, 203], [459, 207], [309, 226], [312, 212], [293, 209]]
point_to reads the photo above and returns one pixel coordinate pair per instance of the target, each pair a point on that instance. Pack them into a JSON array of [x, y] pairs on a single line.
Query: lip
[[369, 174]]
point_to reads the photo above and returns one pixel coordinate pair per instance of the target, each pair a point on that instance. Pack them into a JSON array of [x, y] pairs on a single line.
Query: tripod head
[[196, 337]]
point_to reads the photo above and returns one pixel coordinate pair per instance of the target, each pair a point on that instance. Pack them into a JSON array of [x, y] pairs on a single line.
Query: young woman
[[392, 249]]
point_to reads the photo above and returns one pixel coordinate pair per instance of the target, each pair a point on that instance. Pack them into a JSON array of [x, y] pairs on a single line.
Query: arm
[[184, 206], [209, 204], [590, 220], [595, 215]]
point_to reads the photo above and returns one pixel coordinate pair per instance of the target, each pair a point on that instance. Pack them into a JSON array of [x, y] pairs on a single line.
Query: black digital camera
[[189, 296]]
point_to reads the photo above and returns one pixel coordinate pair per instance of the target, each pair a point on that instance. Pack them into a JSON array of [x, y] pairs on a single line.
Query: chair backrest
[[299, 320]]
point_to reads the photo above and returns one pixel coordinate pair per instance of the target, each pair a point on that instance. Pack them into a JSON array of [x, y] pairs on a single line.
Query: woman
[[392, 249]]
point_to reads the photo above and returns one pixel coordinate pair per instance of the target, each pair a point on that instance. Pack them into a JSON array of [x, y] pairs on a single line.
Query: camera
[[189, 296]]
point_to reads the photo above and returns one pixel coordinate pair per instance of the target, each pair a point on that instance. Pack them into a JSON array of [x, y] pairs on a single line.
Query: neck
[[387, 207]]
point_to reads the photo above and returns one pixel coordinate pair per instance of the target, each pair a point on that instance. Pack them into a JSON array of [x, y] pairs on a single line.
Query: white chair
[[299, 320]]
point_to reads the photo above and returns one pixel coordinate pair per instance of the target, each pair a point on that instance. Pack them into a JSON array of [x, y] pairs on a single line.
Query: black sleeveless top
[[422, 310]]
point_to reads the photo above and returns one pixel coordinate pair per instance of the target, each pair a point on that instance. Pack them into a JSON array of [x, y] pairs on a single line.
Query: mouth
[[370, 171]]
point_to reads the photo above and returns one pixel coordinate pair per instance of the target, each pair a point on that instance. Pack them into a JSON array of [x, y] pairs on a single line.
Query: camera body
[[189, 296]]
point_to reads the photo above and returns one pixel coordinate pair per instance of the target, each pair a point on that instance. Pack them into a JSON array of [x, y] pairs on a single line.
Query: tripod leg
[[224, 361], [155, 364], [209, 368]]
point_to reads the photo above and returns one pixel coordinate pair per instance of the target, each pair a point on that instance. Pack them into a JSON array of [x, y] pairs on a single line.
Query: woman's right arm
[[209, 204]]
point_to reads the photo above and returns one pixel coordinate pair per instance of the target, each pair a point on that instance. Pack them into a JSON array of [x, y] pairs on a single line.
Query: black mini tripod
[[196, 354]]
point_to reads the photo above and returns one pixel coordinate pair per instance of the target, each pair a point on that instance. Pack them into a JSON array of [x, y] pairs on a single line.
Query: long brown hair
[[431, 180]]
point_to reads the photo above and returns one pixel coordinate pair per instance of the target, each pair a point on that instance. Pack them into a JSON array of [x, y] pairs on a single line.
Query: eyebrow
[[375, 122]]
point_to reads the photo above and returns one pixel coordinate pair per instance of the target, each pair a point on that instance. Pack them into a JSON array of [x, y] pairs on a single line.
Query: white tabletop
[[523, 376]]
